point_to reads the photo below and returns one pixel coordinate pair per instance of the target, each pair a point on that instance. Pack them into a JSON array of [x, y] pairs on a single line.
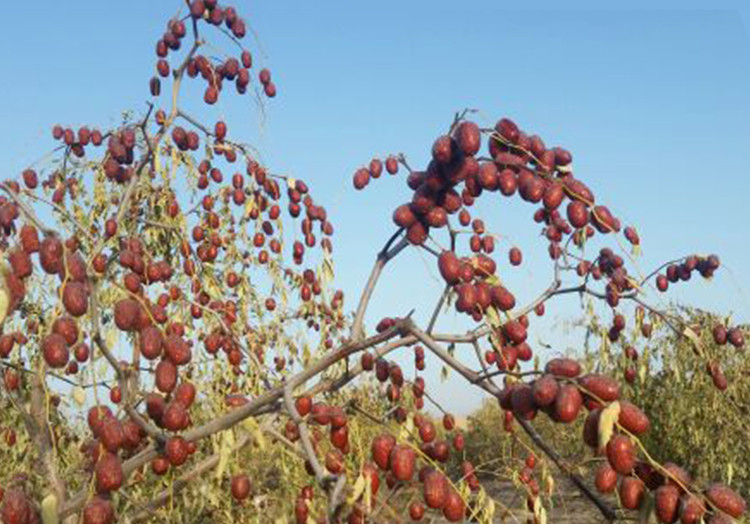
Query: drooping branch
[[485, 384], [602, 506]]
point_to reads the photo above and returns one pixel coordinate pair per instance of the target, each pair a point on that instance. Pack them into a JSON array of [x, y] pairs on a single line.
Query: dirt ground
[[570, 506]]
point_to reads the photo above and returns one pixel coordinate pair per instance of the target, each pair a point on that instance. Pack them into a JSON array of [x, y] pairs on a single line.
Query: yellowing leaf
[[4, 303], [607, 421], [225, 450], [252, 426], [49, 510], [358, 489], [492, 316], [79, 395], [693, 337]]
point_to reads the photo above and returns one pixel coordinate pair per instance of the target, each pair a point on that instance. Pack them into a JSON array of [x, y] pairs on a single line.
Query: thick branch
[[385, 255]]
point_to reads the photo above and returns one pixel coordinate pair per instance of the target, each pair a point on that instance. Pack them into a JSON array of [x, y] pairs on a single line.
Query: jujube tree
[[168, 305]]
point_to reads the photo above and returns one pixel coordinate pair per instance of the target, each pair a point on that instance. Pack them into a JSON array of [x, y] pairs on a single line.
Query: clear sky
[[653, 100]]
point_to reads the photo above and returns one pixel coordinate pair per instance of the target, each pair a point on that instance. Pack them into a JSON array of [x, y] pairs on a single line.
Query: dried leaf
[[607, 421]]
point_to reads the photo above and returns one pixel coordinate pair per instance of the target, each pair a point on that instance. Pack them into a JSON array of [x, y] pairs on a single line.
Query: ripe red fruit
[[30, 178], [51, 254], [55, 351], [75, 298], [416, 510], [605, 479], [115, 395], [468, 138], [376, 168], [16, 508], [127, 312], [666, 500], [220, 130], [67, 328], [631, 492], [726, 499], [601, 387], [247, 59], [151, 342], [515, 256], [166, 376], [211, 95], [381, 450], [454, 509], [303, 405], [240, 487], [98, 511], [515, 331], [567, 404], [545, 390], [96, 418], [185, 394], [334, 461], [391, 165], [361, 178], [402, 461], [111, 434], [427, 432], [578, 214], [264, 76], [29, 238], [621, 454], [508, 130], [176, 451], [435, 490], [632, 418], [691, 509], [736, 338], [108, 473], [459, 442], [720, 334], [443, 149], [522, 402]]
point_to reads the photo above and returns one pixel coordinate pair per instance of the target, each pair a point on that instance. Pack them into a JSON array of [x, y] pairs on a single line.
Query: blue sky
[[653, 100]]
